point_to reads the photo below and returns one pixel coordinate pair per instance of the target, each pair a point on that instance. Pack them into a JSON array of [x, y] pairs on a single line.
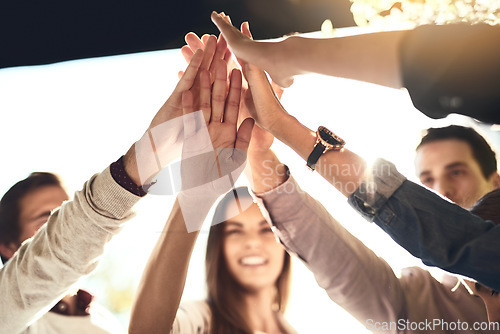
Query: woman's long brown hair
[[225, 295]]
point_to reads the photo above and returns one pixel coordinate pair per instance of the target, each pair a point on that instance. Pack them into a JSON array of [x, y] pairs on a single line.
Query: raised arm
[[71, 243], [352, 275], [213, 157], [371, 57], [271, 116], [447, 69], [440, 233]]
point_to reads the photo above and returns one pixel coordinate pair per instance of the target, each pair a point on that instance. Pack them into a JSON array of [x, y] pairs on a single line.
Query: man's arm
[[440, 233], [371, 57], [453, 69], [343, 169], [64, 250], [70, 244]]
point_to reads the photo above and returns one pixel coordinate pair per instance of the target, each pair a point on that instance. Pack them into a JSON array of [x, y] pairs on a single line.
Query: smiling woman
[[246, 268]]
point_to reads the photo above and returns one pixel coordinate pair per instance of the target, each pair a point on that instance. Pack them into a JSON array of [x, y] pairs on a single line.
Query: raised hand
[[261, 54], [162, 142], [222, 52], [266, 109], [214, 151], [261, 139]]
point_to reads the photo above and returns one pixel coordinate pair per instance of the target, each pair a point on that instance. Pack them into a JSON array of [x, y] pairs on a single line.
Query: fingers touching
[[189, 76]]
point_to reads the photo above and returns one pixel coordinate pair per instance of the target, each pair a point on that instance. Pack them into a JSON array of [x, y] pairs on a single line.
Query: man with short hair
[[24, 209], [458, 163], [69, 245]]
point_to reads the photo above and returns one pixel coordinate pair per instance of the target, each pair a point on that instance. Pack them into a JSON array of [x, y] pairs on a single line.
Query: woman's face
[[253, 256]]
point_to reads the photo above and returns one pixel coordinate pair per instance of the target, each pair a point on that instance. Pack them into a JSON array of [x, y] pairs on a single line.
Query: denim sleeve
[[439, 232], [377, 187]]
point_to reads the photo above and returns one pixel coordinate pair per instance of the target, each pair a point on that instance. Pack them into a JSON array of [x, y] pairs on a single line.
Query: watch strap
[[313, 158]]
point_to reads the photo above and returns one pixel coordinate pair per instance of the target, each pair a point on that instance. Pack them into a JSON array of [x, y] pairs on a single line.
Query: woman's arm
[[213, 156], [349, 272], [369, 57], [160, 289], [428, 226]]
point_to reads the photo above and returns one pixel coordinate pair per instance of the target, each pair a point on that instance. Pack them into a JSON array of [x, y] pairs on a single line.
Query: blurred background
[[99, 71]]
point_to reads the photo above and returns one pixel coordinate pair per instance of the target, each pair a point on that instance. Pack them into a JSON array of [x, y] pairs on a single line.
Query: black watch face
[[329, 136]]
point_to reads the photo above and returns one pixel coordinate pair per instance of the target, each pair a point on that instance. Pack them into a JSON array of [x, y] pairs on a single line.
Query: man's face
[[448, 167], [35, 208]]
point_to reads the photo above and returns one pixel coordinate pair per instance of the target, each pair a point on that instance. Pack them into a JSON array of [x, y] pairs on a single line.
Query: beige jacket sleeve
[[358, 280], [65, 249]]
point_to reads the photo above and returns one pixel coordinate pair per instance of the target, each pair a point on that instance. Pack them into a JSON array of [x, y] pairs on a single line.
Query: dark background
[[34, 32]]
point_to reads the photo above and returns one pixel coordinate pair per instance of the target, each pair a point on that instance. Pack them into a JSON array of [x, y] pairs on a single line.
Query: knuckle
[[218, 98]]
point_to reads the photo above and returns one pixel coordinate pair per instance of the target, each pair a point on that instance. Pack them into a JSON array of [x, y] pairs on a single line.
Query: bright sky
[[75, 118]]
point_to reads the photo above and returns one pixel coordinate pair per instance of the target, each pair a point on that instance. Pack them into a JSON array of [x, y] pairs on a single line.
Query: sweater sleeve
[[352, 275], [358, 280], [68, 247]]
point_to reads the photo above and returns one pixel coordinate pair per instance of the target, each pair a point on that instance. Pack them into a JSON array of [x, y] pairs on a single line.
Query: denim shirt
[[359, 281], [439, 232]]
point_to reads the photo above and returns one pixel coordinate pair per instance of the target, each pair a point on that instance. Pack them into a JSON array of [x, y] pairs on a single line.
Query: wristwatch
[[325, 141]]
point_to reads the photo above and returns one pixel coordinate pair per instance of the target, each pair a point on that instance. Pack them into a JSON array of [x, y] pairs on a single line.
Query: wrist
[[130, 166], [195, 208], [288, 52], [267, 172], [258, 155], [282, 124]]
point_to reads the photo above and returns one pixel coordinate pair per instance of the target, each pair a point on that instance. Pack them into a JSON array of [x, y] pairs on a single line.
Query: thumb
[[245, 29]]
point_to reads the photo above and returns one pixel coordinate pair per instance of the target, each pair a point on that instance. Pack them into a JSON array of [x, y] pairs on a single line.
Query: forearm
[[267, 171], [343, 169], [368, 57], [161, 286], [428, 226], [350, 273], [442, 234]]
